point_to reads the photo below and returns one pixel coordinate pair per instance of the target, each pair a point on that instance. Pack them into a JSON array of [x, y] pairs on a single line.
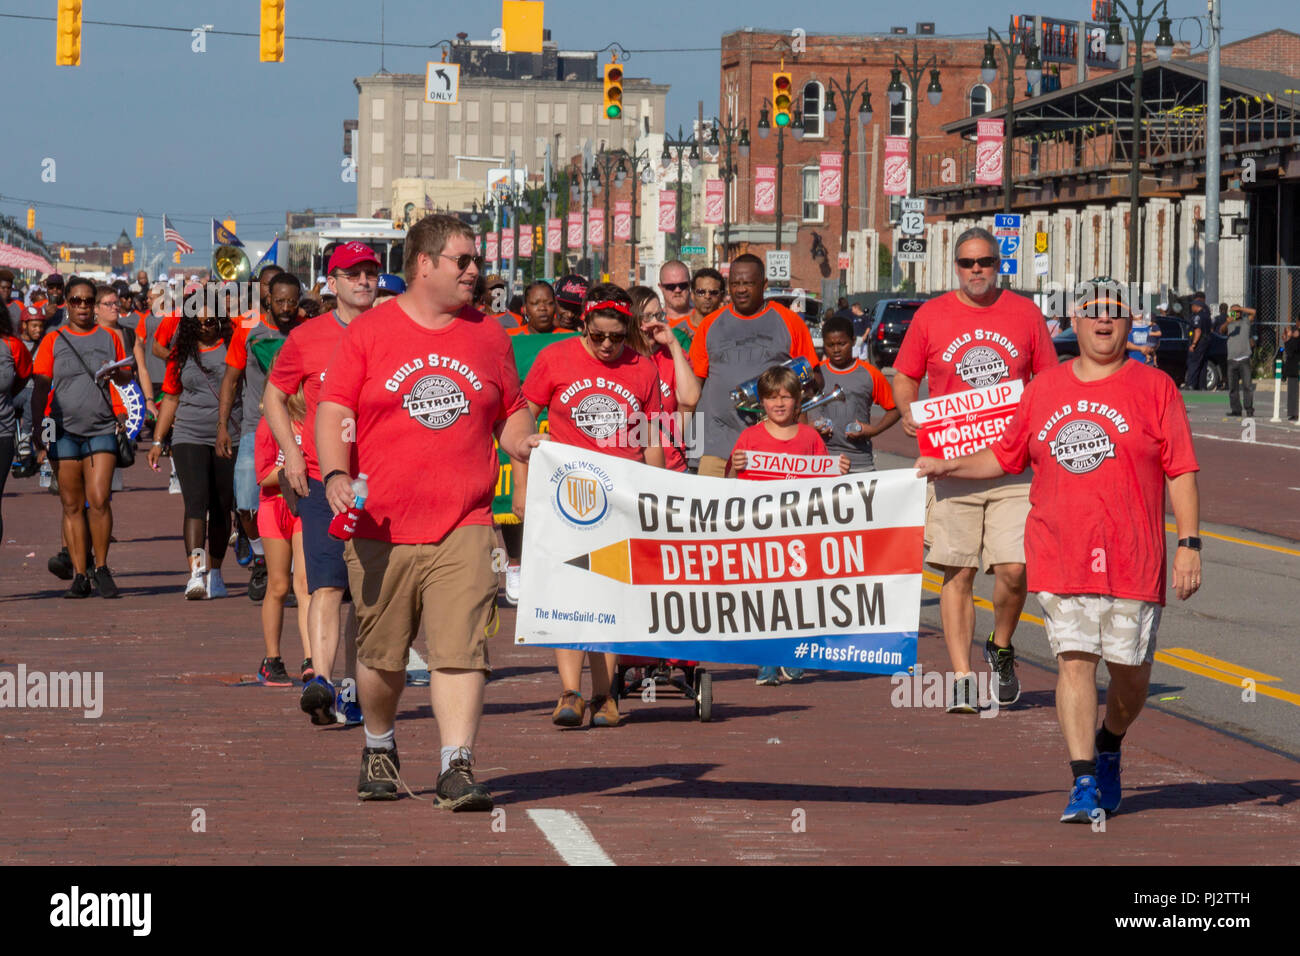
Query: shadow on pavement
[[1183, 796]]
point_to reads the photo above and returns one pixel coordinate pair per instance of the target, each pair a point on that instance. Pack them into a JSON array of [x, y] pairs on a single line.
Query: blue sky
[[146, 123]]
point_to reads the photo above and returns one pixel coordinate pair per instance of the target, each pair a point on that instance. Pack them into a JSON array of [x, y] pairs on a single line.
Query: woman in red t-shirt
[[602, 396], [678, 385], [1105, 437]]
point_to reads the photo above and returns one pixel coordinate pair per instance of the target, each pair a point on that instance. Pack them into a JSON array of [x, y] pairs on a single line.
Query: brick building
[[1277, 51]]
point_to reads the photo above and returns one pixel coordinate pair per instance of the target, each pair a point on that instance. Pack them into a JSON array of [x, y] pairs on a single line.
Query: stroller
[[631, 674]]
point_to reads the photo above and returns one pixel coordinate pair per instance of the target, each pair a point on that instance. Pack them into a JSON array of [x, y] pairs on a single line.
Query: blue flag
[[221, 236], [272, 256]]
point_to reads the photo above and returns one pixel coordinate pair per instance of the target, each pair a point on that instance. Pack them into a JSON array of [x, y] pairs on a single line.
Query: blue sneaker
[[768, 677], [243, 548], [348, 712], [1108, 789], [318, 701], [1083, 801]]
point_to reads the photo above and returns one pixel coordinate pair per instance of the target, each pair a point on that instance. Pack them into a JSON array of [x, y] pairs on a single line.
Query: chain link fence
[[1275, 293]]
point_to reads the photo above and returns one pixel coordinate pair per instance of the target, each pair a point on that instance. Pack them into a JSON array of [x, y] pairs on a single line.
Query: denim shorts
[[70, 447], [247, 494]]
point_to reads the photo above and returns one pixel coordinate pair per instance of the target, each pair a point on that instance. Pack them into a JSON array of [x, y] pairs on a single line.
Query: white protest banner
[[822, 573], [767, 465], [961, 423]]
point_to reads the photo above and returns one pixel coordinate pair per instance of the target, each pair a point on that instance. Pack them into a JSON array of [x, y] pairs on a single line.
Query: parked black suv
[[888, 327], [1171, 353]]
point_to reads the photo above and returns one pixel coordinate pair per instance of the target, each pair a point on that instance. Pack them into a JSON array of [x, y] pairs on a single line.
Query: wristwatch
[[1193, 543]]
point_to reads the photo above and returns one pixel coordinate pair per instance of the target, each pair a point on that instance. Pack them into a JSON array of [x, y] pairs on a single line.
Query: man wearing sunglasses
[[675, 285], [707, 293], [353, 276], [975, 337]]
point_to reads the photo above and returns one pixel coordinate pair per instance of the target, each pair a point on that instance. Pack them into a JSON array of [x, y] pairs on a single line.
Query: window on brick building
[[813, 211], [814, 101], [900, 114], [979, 99]]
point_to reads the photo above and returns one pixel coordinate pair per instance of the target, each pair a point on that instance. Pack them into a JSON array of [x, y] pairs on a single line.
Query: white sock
[[256, 545], [448, 754], [382, 742]]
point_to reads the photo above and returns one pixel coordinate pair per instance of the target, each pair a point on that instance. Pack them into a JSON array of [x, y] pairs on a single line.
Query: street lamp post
[[680, 145], [737, 133], [1164, 43], [847, 92], [642, 171], [612, 165], [934, 92], [796, 129]]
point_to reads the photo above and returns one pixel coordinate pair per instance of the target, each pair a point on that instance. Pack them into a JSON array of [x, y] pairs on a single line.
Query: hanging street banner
[[667, 210], [507, 244], [961, 423], [765, 189], [988, 152], [575, 230], [714, 204], [526, 242], [490, 251], [823, 573], [554, 235], [622, 220], [596, 226], [829, 178], [896, 172]]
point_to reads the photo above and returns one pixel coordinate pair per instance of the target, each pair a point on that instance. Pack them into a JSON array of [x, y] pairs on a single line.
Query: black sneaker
[[80, 587], [104, 582], [457, 790], [273, 674], [1002, 661], [257, 579], [61, 565], [379, 777], [317, 700]]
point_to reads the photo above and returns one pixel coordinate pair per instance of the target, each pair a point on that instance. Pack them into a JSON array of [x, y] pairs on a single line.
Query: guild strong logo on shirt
[[981, 367], [599, 416], [1081, 446], [435, 401]]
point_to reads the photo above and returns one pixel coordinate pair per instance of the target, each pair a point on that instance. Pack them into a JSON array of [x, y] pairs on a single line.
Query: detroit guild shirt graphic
[[981, 366], [599, 416], [1081, 446], [435, 401]]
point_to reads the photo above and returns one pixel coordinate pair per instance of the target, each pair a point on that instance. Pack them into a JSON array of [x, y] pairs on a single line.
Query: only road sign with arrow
[[441, 82]]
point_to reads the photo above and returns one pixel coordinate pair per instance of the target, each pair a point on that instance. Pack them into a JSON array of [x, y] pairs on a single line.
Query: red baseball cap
[[350, 254]]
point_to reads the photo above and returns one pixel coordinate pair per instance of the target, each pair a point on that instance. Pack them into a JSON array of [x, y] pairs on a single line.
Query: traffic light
[[31, 218], [613, 91], [139, 227], [537, 237], [176, 257], [781, 104], [67, 49], [272, 31]]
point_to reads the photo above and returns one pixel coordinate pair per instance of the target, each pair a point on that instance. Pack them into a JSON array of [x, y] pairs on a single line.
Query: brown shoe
[[604, 712], [569, 711]]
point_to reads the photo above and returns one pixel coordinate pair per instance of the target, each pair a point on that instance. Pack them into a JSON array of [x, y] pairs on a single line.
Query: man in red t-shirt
[[1104, 436], [975, 337], [353, 272], [425, 382]]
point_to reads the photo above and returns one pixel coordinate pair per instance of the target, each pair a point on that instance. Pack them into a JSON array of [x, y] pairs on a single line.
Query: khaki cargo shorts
[[987, 524]]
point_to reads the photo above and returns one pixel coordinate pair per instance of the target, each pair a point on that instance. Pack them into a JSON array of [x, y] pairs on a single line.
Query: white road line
[[1238, 441], [570, 837]]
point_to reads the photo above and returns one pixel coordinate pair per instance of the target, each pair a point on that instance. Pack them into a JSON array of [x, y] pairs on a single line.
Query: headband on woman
[[618, 307]]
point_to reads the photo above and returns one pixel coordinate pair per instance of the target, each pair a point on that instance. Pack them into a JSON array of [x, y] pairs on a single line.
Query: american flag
[[171, 235]]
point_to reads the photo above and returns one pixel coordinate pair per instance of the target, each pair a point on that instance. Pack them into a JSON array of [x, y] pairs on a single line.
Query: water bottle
[[47, 474], [854, 430], [344, 525], [823, 424]]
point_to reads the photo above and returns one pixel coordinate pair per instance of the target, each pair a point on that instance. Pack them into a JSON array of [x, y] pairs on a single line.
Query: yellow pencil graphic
[[612, 561]]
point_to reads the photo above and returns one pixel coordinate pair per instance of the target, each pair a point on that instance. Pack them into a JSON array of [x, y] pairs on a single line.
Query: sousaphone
[[230, 264]]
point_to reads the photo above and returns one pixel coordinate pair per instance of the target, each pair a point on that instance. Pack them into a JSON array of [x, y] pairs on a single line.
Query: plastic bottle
[[47, 474], [344, 525], [854, 429]]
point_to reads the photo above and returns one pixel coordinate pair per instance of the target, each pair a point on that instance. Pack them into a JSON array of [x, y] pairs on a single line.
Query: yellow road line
[[1196, 657], [1224, 672], [1169, 526]]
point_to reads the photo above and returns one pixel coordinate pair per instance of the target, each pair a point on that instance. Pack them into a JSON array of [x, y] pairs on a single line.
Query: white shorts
[[1118, 630]]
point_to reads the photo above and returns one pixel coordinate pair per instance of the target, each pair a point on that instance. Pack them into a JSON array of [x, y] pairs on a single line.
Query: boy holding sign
[[779, 447]]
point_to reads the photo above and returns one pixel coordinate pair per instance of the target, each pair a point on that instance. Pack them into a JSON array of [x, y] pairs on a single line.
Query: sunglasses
[[707, 292], [675, 286], [463, 261], [614, 338], [984, 262], [355, 274], [209, 321], [81, 300]]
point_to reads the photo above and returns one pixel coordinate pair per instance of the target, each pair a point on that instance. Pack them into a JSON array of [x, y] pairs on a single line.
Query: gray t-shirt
[[8, 375], [81, 406], [196, 416], [862, 389], [254, 377], [1239, 335], [157, 367], [740, 348]]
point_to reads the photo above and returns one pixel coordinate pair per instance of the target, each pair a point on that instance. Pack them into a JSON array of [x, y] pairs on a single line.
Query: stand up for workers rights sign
[[820, 572]]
